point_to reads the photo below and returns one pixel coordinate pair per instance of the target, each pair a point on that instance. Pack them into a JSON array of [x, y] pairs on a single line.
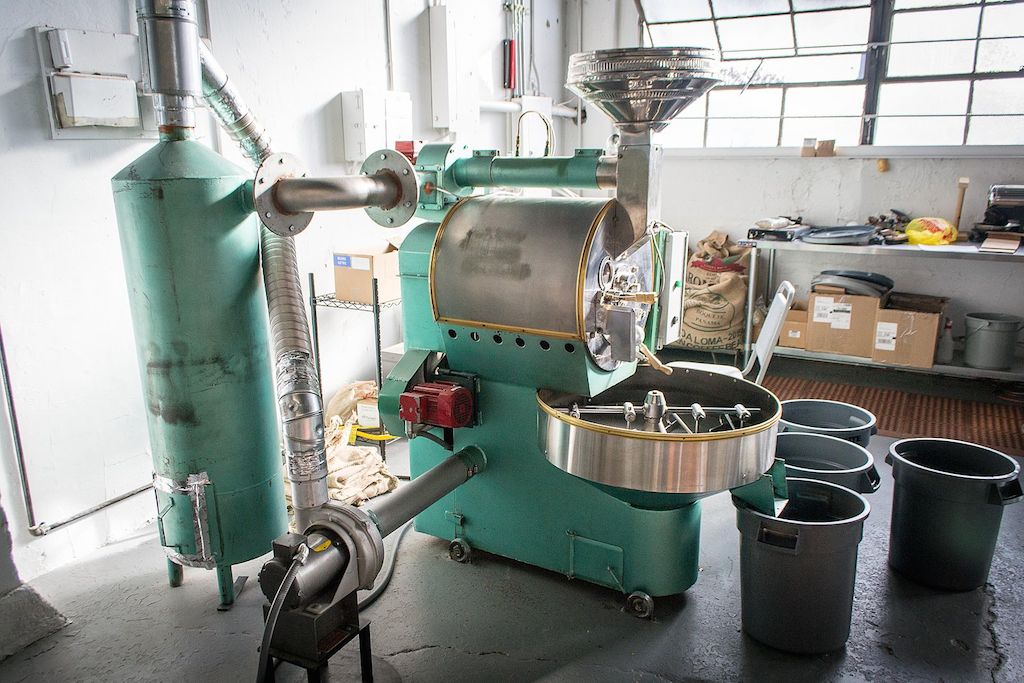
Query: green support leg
[[226, 585], [175, 573]]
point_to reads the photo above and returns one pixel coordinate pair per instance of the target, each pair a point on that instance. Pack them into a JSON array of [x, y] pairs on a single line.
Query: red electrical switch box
[[441, 404]]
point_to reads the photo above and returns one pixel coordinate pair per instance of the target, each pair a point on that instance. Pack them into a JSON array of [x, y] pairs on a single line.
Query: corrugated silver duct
[[298, 391]]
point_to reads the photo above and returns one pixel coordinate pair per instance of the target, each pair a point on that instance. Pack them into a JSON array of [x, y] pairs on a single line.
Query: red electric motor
[[440, 404]]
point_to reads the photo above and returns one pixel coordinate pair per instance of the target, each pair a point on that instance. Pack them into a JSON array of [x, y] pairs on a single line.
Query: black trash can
[[826, 458], [833, 418], [797, 571], [947, 508]]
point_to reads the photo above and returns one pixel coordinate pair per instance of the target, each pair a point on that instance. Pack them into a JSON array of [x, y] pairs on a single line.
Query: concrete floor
[[499, 620]]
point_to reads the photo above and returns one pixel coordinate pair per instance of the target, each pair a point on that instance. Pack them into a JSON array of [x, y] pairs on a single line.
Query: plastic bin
[[798, 570], [947, 508], [991, 341], [832, 418], [826, 458]]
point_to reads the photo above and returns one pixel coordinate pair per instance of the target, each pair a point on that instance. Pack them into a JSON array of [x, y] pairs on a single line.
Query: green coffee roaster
[[543, 428]]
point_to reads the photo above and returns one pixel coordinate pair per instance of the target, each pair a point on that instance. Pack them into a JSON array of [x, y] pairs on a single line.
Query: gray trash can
[[947, 508], [991, 340], [797, 571], [832, 418], [826, 458]]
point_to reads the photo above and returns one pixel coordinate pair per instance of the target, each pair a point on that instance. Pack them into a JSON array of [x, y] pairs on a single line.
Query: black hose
[[382, 584], [275, 610]]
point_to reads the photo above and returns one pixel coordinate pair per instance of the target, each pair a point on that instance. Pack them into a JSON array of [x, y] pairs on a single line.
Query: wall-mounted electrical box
[[454, 91], [374, 119], [91, 82]]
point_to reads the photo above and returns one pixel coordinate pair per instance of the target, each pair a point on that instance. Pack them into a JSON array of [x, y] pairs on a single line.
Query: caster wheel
[[640, 605], [459, 550]]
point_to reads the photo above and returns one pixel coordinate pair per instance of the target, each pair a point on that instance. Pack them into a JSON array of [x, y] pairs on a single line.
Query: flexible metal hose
[[266, 665], [298, 389]]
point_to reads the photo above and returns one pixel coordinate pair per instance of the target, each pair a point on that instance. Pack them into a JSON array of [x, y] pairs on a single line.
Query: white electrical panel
[[673, 287], [443, 80], [454, 85], [91, 80], [374, 119]]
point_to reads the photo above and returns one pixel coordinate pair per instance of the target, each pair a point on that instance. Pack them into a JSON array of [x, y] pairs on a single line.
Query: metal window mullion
[[985, 76], [932, 8], [707, 120], [779, 13], [796, 46], [876, 63], [714, 25], [782, 107], [974, 68]]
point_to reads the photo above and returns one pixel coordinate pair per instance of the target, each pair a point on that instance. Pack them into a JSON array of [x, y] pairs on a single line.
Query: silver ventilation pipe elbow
[[169, 42], [231, 110], [299, 401]]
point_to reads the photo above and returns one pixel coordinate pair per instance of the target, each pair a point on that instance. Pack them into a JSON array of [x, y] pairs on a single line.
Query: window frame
[[873, 76]]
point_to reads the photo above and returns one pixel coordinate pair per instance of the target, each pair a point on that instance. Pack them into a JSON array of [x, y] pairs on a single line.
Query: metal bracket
[[194, 487], [769, 494], [396, 165]]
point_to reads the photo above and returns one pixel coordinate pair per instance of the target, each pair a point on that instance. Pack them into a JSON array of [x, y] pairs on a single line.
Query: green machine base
[[526, 509]]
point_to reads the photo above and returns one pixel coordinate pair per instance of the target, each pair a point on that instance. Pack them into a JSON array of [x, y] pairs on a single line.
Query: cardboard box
[[841, 323], [794, 330], [367, 414], [354, 273], [907, 332]]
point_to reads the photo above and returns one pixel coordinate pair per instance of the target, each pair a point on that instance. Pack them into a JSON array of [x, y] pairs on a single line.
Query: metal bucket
[[832, 418], [826, 458], [991, 341], [797, 571], [947, 508]]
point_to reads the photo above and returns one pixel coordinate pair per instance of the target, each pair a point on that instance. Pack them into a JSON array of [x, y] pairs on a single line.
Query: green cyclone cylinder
[[191, 259]]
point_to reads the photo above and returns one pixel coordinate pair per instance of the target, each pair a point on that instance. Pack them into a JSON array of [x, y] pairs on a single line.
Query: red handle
[[512, 65]]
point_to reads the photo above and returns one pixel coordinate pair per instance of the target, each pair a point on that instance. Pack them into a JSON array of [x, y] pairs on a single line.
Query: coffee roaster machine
[[543, 427]]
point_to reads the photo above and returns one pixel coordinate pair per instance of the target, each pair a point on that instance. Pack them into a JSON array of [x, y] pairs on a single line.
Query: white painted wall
[[708, 191], [63, 304]]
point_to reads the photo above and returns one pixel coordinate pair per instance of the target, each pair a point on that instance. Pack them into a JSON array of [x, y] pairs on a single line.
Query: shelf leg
[[748, 330], [376, 348], [314, 328]]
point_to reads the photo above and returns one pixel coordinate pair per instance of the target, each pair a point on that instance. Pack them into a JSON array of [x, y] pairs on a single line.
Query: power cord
[[301, 554]]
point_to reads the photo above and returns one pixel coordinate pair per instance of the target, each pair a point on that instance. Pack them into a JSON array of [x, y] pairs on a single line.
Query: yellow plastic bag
[[931, 231]]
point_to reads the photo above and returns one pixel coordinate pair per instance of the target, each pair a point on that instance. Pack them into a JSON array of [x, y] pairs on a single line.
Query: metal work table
[[951, 251], [959, 251], [956, 369]]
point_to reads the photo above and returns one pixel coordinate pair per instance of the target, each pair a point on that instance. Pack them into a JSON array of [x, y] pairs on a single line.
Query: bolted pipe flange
[[274, 168], [395, 166]]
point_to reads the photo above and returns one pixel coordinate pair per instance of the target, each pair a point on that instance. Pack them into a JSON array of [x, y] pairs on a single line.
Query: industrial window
[[882, 72]]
